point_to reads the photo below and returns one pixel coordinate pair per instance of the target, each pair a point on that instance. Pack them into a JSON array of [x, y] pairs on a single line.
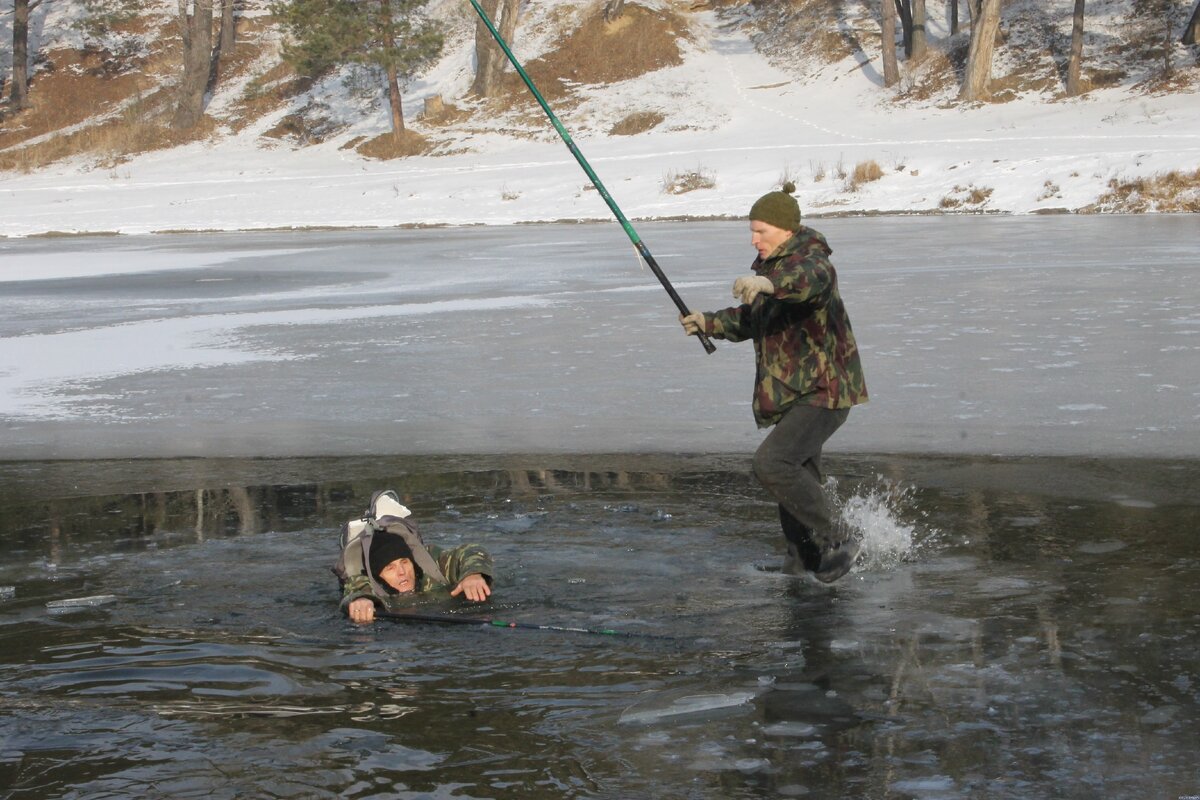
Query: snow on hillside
[[733, 117]]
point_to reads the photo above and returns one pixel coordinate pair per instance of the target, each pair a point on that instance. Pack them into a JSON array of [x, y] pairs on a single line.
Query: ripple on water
[[1133, 502], [1098, 548]]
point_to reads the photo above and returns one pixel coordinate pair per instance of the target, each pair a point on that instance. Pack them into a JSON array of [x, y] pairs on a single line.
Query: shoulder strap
[[385, 514]]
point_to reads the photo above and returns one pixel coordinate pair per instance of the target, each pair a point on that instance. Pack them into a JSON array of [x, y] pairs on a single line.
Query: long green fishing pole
[[709, 347], [455, 619]]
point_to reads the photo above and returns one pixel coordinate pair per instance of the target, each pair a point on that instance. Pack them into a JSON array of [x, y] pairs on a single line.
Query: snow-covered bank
[[732, 118]]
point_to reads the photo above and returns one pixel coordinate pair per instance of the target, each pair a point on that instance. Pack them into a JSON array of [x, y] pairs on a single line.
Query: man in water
[[808, 374], [385, 563]]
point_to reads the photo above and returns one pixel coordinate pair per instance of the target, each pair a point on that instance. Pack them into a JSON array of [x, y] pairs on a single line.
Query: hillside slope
[[683, 112]]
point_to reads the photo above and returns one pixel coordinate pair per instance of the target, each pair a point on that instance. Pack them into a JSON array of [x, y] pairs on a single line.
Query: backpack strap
[[352, 560], [385, 514]]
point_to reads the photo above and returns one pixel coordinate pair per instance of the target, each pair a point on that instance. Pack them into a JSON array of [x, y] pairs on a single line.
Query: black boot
[[836, 560], [803, 555]]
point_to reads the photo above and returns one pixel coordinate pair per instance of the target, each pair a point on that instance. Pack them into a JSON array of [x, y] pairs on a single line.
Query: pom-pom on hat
[[778, 208]]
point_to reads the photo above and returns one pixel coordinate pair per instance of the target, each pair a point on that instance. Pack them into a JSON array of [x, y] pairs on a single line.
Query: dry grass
[[1165, 193], [675, 182], [802, 31], [387, 145], [1008, 88], [295, 128], [72, 87], [637, 122], [127, 101], [266, 93], [969, 197], [1178, 80], [864, 172], [136, 95], [599, 52], [1102, 77], [1050, 189], [139, 128], [936, 74], [443, 114]]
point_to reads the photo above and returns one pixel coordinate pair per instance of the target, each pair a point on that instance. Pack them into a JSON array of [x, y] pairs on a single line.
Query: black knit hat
[[778, 208], [386, 548]]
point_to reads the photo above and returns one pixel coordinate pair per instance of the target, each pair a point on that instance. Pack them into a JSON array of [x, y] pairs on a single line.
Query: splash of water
[[879, 514]]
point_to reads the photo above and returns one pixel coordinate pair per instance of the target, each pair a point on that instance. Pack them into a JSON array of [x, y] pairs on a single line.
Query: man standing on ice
[[808, 375]]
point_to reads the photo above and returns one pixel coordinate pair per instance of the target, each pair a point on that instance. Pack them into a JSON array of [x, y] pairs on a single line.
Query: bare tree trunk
[[918, 30], [953, 17], [19, 91], [983, 44], [1170, 12], [972, 11], [394, 102], [228, 31], [1192, 30], [508, 27], [891, 72], [613, 9], [904, 11], [489, 58], [1075, 63], [196, 30], [225, 39], [486, 50], [393, 79]]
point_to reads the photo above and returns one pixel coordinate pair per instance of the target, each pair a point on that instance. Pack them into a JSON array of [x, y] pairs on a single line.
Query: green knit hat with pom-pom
[[778, 208]]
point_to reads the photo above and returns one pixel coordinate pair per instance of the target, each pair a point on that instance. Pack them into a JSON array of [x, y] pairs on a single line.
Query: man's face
[[766, 237], [400, 575]]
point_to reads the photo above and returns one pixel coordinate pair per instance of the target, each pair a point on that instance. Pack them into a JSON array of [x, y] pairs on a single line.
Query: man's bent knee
[[770, 467]]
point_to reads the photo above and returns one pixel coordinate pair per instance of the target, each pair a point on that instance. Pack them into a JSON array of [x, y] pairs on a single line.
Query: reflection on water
[[1019, 628]]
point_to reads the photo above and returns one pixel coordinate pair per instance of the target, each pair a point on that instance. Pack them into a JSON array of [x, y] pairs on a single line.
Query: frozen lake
[[1031, 335], [1023, 624]]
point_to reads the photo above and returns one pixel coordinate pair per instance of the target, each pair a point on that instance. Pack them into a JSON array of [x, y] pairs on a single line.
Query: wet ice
[[560, 347]]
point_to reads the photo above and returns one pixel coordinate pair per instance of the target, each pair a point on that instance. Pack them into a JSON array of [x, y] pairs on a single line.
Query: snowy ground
[[730, 116]]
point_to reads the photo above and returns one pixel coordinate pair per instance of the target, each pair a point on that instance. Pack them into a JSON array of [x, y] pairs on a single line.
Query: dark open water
[[1020, 628]]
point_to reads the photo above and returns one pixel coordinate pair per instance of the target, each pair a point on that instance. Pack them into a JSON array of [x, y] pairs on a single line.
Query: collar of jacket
[[803, 240]]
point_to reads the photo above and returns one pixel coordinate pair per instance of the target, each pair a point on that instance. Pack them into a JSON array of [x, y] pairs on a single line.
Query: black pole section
[[454, 619], [709, 347]]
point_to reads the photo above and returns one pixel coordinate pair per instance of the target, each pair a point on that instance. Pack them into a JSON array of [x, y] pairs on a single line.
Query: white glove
[[751, 286], [692, 323]]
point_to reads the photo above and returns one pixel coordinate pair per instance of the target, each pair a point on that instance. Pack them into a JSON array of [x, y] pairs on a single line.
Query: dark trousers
[[788, 464]]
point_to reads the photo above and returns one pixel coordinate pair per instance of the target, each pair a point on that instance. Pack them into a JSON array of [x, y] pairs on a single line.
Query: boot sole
[[843, 565]]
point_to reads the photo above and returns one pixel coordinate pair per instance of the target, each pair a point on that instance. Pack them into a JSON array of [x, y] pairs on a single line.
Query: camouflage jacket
[[453, 564], [803, 345]]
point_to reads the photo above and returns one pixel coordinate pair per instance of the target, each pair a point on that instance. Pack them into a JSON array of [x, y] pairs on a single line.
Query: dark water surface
[[1019, 628]]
